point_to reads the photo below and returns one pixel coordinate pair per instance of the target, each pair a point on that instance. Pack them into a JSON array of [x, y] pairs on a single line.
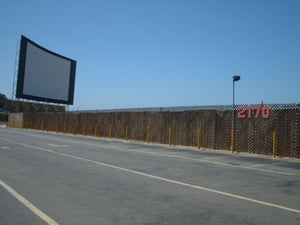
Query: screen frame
[[21, 75]]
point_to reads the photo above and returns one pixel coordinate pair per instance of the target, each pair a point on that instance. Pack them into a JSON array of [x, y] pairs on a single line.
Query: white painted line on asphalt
[[28, 204], [188, 158], [57, 145], [175, 156], [165, 179], [215, 157], [266, 164]]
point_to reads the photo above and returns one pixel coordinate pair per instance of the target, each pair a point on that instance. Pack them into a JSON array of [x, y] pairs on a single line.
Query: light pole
[[234, 79]]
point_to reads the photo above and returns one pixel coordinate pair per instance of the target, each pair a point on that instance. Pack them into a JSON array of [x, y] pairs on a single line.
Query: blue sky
[[159, 53]]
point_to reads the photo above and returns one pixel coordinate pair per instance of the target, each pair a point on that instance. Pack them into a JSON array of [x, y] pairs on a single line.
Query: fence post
[[84, 129], [274, 144], [199, 138], [110, 131], [96, 130], [232, 141], [148, 135], [76, 129], [126, 133], [170, 136]]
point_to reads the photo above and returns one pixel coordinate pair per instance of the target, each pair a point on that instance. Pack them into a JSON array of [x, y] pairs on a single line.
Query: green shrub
[[3, 117]]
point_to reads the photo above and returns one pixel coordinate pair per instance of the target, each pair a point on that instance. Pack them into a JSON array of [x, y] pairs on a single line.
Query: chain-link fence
[[207, 127]]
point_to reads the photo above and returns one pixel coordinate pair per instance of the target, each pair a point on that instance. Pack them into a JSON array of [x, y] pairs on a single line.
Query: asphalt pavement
[[49, 178]]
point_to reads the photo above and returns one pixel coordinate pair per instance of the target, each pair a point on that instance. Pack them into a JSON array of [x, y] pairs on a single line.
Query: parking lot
[[68, 179]]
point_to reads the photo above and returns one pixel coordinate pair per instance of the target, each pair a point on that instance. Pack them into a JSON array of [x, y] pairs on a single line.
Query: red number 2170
[[254, 112]]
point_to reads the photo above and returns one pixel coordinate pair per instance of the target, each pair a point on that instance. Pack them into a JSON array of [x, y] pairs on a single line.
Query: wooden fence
[[207, 128]]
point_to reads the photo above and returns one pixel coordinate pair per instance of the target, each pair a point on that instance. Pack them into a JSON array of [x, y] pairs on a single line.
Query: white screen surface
[[46, 75]]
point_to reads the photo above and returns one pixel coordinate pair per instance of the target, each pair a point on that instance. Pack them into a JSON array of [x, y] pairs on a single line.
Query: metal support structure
[[16, 68], [233, 105], [233, 130]]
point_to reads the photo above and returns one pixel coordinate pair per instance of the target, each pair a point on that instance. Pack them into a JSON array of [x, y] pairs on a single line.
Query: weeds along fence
[[279, 134]]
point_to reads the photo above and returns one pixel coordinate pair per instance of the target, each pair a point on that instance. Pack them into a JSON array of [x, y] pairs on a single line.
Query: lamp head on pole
[[236, 78]]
